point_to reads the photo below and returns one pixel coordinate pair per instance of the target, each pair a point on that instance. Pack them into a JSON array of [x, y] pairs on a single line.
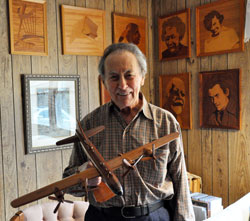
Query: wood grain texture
[[220, 157]]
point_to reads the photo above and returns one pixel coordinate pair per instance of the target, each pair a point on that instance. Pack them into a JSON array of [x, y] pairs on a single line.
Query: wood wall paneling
[[221, 157]]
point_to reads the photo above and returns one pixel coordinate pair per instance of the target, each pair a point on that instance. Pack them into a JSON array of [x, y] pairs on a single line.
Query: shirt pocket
[[154, 171]]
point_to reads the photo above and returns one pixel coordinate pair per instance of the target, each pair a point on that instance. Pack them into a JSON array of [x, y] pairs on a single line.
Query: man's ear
[[227, 92]]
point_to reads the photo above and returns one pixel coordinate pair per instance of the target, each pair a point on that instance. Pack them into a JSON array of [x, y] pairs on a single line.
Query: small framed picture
[[83, 31], [104, 94], [220, 99], [220, 27], [51, 108], [28, 27], [174, 36], [175, 96], [130, 29]]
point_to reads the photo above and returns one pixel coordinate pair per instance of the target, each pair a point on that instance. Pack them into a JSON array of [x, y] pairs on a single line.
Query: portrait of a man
[[174, 36], [174, 93], [130, 29], [220, 103], [131, 34], [220, 37]]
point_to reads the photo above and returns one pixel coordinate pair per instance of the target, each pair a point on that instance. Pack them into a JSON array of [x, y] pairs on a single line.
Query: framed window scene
[[130, 29], [51, 108], [220, 99], [174, 35], [175, 96], [83, 31], [220, 27], [28, 27]]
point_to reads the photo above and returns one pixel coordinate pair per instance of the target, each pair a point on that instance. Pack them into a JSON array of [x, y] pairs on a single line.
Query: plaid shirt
[[164, 178]]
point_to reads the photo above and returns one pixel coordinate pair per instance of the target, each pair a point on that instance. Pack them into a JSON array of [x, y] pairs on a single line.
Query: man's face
[[123, 79], [215, 27], [218, 97], [172, 39], [176, 96]]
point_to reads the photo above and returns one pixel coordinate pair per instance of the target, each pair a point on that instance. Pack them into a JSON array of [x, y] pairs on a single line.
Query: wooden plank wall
[[221, 157], [20, 173]]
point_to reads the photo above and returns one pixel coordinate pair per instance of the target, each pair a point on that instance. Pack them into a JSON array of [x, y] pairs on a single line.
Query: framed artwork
[[220, 27], [104, 94], [83, 31], [175, 96], [51, 108], [220, 99], [28, 27], [130, 29], [174, 35]]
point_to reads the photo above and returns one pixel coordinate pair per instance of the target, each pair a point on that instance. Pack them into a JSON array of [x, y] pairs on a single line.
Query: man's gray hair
[[140, 57]]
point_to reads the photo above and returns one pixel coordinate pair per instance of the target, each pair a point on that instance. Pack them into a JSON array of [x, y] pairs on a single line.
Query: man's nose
[[122, 83]]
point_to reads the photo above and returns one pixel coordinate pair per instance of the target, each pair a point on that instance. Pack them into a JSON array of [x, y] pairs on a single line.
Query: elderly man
[[130, 121]]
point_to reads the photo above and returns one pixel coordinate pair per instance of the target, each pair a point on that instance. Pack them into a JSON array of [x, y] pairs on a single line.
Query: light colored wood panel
[[4, 47], [67, 63], [93, 83], [8, 135], [150, 57], [168, 7], [220, 147], [26, 165], [118, 6], [194, 135], [82, 62], [108, 10], [49, 169], [143, 11], [239, 142], [48, 64], [157, 69], [131, 7]]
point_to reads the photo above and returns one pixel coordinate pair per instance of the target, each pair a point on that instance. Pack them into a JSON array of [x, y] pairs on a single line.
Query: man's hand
[[92, 182]]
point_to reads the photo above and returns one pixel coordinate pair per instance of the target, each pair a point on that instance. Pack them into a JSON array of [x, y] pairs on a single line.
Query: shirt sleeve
[[77, 159], [181, 203]]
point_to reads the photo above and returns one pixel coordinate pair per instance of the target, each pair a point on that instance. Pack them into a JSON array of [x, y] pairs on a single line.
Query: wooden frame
[[51, 108], [174, 35], [175, 96], [104, 94], [220, 99], [83, 31], [227, 33], [130, 29], [28, 27]]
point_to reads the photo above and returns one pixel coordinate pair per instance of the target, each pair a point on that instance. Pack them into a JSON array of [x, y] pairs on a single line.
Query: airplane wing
[[92, 172]]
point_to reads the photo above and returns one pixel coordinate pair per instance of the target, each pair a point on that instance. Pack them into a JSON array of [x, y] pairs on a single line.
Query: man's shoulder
[[160, 113], [98, 113]]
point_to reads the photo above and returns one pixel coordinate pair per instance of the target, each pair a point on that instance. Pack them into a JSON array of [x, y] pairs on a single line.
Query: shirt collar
[[144, 109]]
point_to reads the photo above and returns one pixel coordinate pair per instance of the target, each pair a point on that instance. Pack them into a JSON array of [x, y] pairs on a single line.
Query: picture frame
[[104, 94], [83, 31], [174, 35], [130, 29], [220, 99], [28, 27], [226, 35], [51, 105], [175, 96]]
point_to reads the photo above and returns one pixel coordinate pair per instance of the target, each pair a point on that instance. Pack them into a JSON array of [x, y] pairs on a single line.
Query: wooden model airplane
[[111, 185]]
